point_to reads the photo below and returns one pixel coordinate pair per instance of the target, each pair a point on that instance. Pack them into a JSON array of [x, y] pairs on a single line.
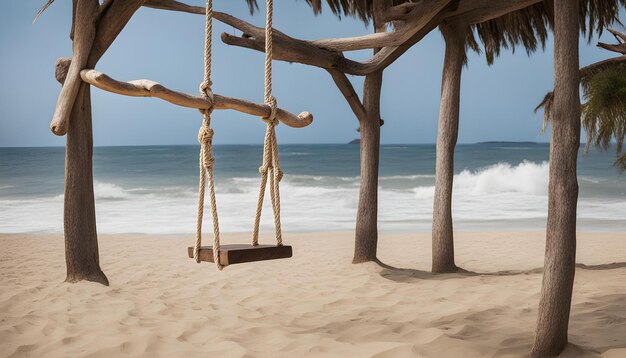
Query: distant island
[[355, 141]]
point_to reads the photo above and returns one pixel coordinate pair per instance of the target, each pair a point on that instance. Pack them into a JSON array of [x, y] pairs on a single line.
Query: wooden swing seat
[[242, 253]]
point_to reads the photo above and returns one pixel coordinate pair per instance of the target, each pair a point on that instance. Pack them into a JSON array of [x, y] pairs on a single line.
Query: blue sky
[[497, 101]]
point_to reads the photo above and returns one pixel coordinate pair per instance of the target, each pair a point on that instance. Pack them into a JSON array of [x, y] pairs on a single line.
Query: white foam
[[500, 196], [109, 191], [526, 178]]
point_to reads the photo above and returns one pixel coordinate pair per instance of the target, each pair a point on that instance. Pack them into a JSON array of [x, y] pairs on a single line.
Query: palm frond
[[620, 162], [546, 106], [604, 113], [530, 27]]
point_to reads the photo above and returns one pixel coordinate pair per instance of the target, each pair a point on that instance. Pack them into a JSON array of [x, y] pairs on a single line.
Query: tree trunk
[[79, 219], [560, 256], [366, 235], [447, 133]]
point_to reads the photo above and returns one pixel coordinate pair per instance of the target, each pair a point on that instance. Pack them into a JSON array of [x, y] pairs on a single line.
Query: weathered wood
[[366, 228], [620, 47], [447, 134], [85, 20], [61, 66], [419, 16], [560, 255], [347, 90], [148, 88], [79, 219], [242, 253], [112, 18], [477, 11]]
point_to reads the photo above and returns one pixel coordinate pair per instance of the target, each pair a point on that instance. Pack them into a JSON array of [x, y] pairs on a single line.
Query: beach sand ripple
[[317, 304]]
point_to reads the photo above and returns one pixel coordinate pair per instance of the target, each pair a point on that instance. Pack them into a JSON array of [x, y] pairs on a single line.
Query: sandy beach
[[162, 304]]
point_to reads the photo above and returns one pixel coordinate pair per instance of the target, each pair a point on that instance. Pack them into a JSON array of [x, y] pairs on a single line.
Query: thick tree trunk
[[81, 239], [79, 219], [560, 256], [442, 235], [366, 236], [366, 233]]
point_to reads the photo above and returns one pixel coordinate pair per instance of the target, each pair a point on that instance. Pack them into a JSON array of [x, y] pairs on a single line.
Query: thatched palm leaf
[[604, 113], [530, 27]]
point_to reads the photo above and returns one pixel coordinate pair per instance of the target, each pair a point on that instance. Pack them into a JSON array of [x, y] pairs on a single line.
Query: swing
[[226, 255]]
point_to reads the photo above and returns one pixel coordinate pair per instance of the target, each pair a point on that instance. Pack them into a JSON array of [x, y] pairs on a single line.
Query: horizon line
[[260, 144]]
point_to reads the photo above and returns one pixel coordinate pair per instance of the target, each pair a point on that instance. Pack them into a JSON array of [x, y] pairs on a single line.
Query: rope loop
[[271, 119], [206, 89], [263, 169]]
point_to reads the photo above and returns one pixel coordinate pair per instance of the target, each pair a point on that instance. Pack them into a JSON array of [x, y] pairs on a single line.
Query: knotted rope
[[271, 164], [205, 138]]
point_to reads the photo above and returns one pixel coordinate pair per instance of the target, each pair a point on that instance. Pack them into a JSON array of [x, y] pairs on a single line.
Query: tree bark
[[79, 219], [447, 133], [560, 256], [366, 234]]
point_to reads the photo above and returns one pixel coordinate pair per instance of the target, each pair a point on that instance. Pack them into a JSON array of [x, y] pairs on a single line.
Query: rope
[[205, 138], [271, 163]]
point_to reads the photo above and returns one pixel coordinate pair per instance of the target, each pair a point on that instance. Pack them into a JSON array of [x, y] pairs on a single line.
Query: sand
[[162, 304]]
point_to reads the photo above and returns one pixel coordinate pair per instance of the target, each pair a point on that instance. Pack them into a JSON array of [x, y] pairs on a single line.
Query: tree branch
[[114, 15], [477, 11], [347, 90], [419, 16], [324, 54], [620, 47], [148, 88], [84, 20]]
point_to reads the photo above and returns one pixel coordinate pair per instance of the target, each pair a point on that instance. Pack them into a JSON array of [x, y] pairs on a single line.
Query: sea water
[[154, 189]]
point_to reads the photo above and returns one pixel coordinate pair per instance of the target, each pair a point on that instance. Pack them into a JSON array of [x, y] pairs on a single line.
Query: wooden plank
[[242, 253]]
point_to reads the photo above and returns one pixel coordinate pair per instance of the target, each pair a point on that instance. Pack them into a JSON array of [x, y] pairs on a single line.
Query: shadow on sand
[[407, 275]]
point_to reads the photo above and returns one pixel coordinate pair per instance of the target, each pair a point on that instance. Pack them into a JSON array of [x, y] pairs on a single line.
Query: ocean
[[153, 189]]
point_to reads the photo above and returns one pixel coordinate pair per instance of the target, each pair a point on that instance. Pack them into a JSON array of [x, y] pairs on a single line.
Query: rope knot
[[273, 104], [264, 168], [205, 135], [279, 174], [206, 90]]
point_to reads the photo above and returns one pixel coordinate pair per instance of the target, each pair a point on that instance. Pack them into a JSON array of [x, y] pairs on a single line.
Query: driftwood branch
[[620, 47], [148, 88], [84, 19], [417, 18], [477, 11], [61, 67], [347, 90], [112, 18]]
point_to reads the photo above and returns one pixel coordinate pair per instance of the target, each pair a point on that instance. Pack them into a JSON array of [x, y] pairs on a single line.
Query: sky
[[497, 101]]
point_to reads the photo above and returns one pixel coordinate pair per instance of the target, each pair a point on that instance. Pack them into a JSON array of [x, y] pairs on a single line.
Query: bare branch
[[61, 67], [477, 11], [418, 17], [41, 11], [620, 47], [85, 18], [148, 88], [173, 5], [113, 16], [349, 93]]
